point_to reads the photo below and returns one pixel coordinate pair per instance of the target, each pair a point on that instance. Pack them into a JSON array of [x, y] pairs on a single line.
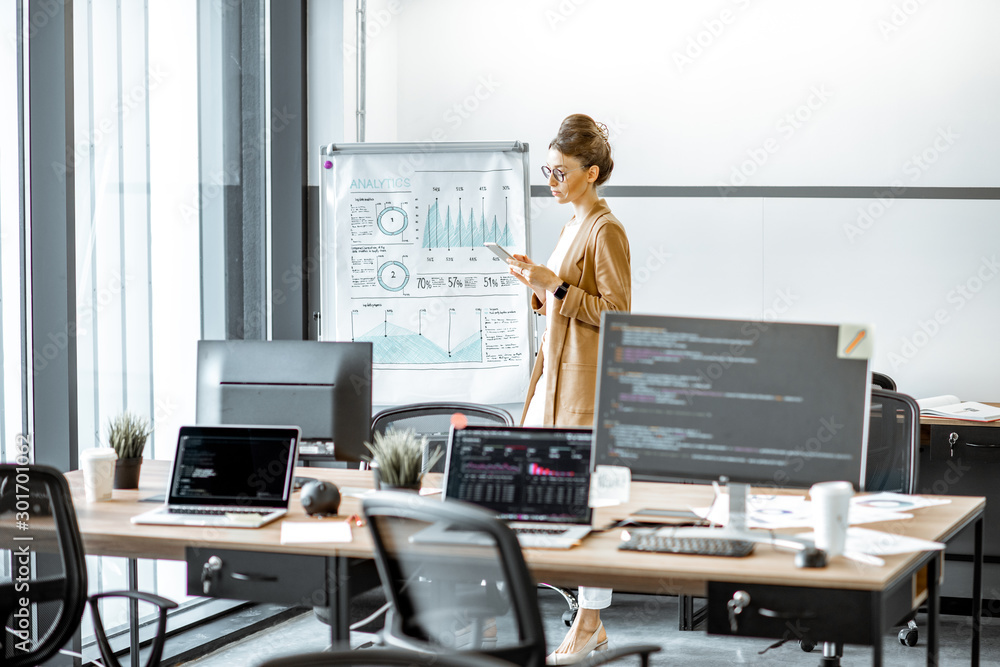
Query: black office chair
[[385, 658], [476, 597], [893, 443], [434, 421], [892, 465], [883, 381], [44, 567], [894, 458]]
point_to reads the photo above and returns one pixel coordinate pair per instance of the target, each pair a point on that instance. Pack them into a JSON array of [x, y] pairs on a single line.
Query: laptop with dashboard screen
[[537, 480], [229, 477]]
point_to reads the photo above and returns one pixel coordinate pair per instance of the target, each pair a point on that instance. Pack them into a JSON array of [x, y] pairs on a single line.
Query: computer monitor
[[523, 474], [324, 388], [764, 403]]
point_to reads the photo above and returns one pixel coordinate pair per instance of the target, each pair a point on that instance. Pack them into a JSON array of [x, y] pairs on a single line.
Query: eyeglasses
[[560, 174]]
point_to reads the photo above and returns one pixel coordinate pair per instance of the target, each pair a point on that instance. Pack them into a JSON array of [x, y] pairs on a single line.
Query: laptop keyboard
[[524, 530], [213, 511]]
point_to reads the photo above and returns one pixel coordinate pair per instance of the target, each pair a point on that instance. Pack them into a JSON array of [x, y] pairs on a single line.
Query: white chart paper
[[446, 319]]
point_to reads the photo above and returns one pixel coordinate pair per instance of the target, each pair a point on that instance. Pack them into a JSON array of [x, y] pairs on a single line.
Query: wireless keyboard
[[700, 546]]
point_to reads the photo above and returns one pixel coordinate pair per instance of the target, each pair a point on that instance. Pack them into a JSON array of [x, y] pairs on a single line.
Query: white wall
[[739, 92]]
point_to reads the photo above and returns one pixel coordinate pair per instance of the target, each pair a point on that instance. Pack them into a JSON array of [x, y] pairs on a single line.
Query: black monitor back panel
[[324, 388]]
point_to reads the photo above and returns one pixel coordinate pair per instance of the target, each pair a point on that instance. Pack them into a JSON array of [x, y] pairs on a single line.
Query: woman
[[589, 272]]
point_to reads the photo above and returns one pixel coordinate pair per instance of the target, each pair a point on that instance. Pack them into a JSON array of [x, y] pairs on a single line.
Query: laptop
[[537, 480], [229, 477]]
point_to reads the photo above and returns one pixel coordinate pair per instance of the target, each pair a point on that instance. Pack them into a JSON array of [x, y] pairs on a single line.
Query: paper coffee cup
[[98, 466], [831, 502]]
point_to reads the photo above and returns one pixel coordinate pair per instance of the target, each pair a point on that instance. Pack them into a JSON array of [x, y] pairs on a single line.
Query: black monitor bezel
[[246, 432], [545, 432], [600, 446]]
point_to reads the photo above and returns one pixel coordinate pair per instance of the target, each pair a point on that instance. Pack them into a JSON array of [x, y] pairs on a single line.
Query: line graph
[[395, 344], [463, 228]]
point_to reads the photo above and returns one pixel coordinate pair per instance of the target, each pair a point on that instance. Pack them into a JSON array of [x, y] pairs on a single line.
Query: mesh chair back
[[475, 596], [43, 577], [434, 420], [883, 381], [893, 441]]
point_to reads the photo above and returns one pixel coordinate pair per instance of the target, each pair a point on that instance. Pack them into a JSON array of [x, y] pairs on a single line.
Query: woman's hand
[[538, 277]]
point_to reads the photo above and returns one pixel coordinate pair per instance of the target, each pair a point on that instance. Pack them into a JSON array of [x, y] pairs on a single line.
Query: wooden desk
[[877, 596]]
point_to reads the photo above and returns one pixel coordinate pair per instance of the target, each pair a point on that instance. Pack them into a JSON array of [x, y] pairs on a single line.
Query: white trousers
[[590, 597]]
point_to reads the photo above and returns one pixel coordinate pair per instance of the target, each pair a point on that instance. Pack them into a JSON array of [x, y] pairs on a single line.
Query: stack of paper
[[949, 407]]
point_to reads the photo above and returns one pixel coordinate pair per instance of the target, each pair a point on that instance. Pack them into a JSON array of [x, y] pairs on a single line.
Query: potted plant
[[397, 459], [127, 434]]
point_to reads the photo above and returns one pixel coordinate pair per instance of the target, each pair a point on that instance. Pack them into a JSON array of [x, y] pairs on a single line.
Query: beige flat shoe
[[556, 658]]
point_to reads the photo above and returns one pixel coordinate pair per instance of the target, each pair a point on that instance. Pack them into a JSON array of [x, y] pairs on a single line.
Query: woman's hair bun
[[583, 138]]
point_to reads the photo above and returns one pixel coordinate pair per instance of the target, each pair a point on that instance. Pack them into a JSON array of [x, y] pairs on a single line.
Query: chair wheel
[[807, 645], [568, 617], [908, 636]]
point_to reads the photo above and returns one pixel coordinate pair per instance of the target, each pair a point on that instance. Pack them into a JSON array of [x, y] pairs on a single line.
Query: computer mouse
[[810, 557]]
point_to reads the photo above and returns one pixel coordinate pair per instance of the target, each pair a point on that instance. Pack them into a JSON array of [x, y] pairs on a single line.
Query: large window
[[138, 304], [164, 200], [137, 214], [11, 310]]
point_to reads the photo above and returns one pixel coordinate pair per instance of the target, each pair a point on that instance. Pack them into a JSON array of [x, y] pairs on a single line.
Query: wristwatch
[[561, 290]]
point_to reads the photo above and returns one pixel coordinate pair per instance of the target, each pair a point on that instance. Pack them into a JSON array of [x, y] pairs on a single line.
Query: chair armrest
[[158, 600], [107, 654], [604, 657]]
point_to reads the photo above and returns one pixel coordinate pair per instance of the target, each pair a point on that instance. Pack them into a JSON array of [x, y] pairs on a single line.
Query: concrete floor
[[652, 619]]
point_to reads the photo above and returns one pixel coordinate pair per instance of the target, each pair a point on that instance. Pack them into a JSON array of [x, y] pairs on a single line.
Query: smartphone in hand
[[498, 251]]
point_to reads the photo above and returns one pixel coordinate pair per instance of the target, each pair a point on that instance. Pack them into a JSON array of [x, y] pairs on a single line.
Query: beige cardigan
[[598, 269]]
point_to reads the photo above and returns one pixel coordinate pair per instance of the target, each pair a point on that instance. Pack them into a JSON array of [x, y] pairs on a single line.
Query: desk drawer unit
[[964, 460], [257, 576], [793, 613]]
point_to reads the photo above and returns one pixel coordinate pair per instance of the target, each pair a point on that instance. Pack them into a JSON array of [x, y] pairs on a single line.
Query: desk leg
[[977, 591], [133, 612], [933, 607], [339, 598], [878, 621]]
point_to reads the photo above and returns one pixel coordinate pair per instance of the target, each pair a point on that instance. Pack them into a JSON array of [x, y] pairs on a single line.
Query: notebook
[[535, 479], [228, 476]]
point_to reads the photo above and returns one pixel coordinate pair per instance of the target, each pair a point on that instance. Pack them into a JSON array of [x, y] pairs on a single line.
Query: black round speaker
[[320, 498]]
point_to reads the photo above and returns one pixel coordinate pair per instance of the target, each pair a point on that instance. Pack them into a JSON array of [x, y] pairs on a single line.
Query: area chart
[[463, 228]]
